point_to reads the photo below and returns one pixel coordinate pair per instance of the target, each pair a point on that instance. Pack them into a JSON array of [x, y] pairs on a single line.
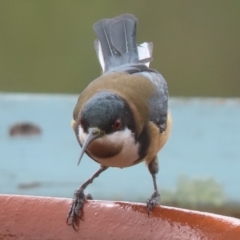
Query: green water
[[47, 46]]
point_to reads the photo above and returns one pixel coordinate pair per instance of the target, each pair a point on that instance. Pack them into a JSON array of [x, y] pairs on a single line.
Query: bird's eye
[[81, 122], [117, 125]]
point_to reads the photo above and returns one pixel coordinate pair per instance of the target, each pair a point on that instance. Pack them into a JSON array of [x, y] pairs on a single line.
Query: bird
[[122, 117]]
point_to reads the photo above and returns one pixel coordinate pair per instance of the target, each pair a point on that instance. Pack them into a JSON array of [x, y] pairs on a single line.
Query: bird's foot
[[76, 211], [153, 201]]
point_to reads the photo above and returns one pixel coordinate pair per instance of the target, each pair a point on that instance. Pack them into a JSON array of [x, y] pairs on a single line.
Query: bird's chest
[[118, 149]]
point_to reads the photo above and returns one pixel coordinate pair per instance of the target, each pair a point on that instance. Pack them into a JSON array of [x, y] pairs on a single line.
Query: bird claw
[[88, 196], [75, 212], [153, 201]]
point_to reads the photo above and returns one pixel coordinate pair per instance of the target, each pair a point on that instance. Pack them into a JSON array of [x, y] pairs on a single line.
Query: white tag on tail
[[145, 51], [98, 49]]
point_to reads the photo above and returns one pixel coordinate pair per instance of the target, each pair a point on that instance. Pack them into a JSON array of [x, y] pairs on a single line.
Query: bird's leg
[[75, 212], [155, 198]]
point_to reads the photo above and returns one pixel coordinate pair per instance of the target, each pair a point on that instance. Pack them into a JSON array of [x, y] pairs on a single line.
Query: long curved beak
[[94, 133]]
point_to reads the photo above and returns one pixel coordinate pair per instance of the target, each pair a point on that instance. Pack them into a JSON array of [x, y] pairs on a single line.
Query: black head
[[103, 114], [107, 112]]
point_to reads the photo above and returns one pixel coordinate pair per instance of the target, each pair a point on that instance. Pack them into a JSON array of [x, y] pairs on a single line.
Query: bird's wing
[[158, 103]]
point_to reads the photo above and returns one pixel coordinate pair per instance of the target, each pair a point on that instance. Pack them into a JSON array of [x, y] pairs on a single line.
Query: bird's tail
[[116, 44]]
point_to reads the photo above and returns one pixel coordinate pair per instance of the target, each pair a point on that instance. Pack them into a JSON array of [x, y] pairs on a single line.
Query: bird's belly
[[115, 150], [125, 158]]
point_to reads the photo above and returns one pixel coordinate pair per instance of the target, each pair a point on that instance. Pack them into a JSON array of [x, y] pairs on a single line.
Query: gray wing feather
[[158, 103]]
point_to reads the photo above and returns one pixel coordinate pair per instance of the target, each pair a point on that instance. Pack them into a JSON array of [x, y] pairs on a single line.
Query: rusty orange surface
[[28, 217]]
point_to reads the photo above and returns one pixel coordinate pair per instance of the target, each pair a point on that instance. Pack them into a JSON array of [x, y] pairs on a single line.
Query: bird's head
[[102, 123]]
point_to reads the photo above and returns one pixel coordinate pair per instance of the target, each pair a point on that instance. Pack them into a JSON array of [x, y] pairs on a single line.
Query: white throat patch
[[126, 157]]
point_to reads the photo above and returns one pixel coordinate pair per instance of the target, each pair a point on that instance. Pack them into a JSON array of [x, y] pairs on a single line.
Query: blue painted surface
[[204, 143]]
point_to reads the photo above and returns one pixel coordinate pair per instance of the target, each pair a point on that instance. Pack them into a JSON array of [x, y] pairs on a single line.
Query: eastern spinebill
[[122, 117]]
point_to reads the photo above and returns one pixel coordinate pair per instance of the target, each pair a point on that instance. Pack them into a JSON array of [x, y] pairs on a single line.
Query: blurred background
[[47, 47]]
